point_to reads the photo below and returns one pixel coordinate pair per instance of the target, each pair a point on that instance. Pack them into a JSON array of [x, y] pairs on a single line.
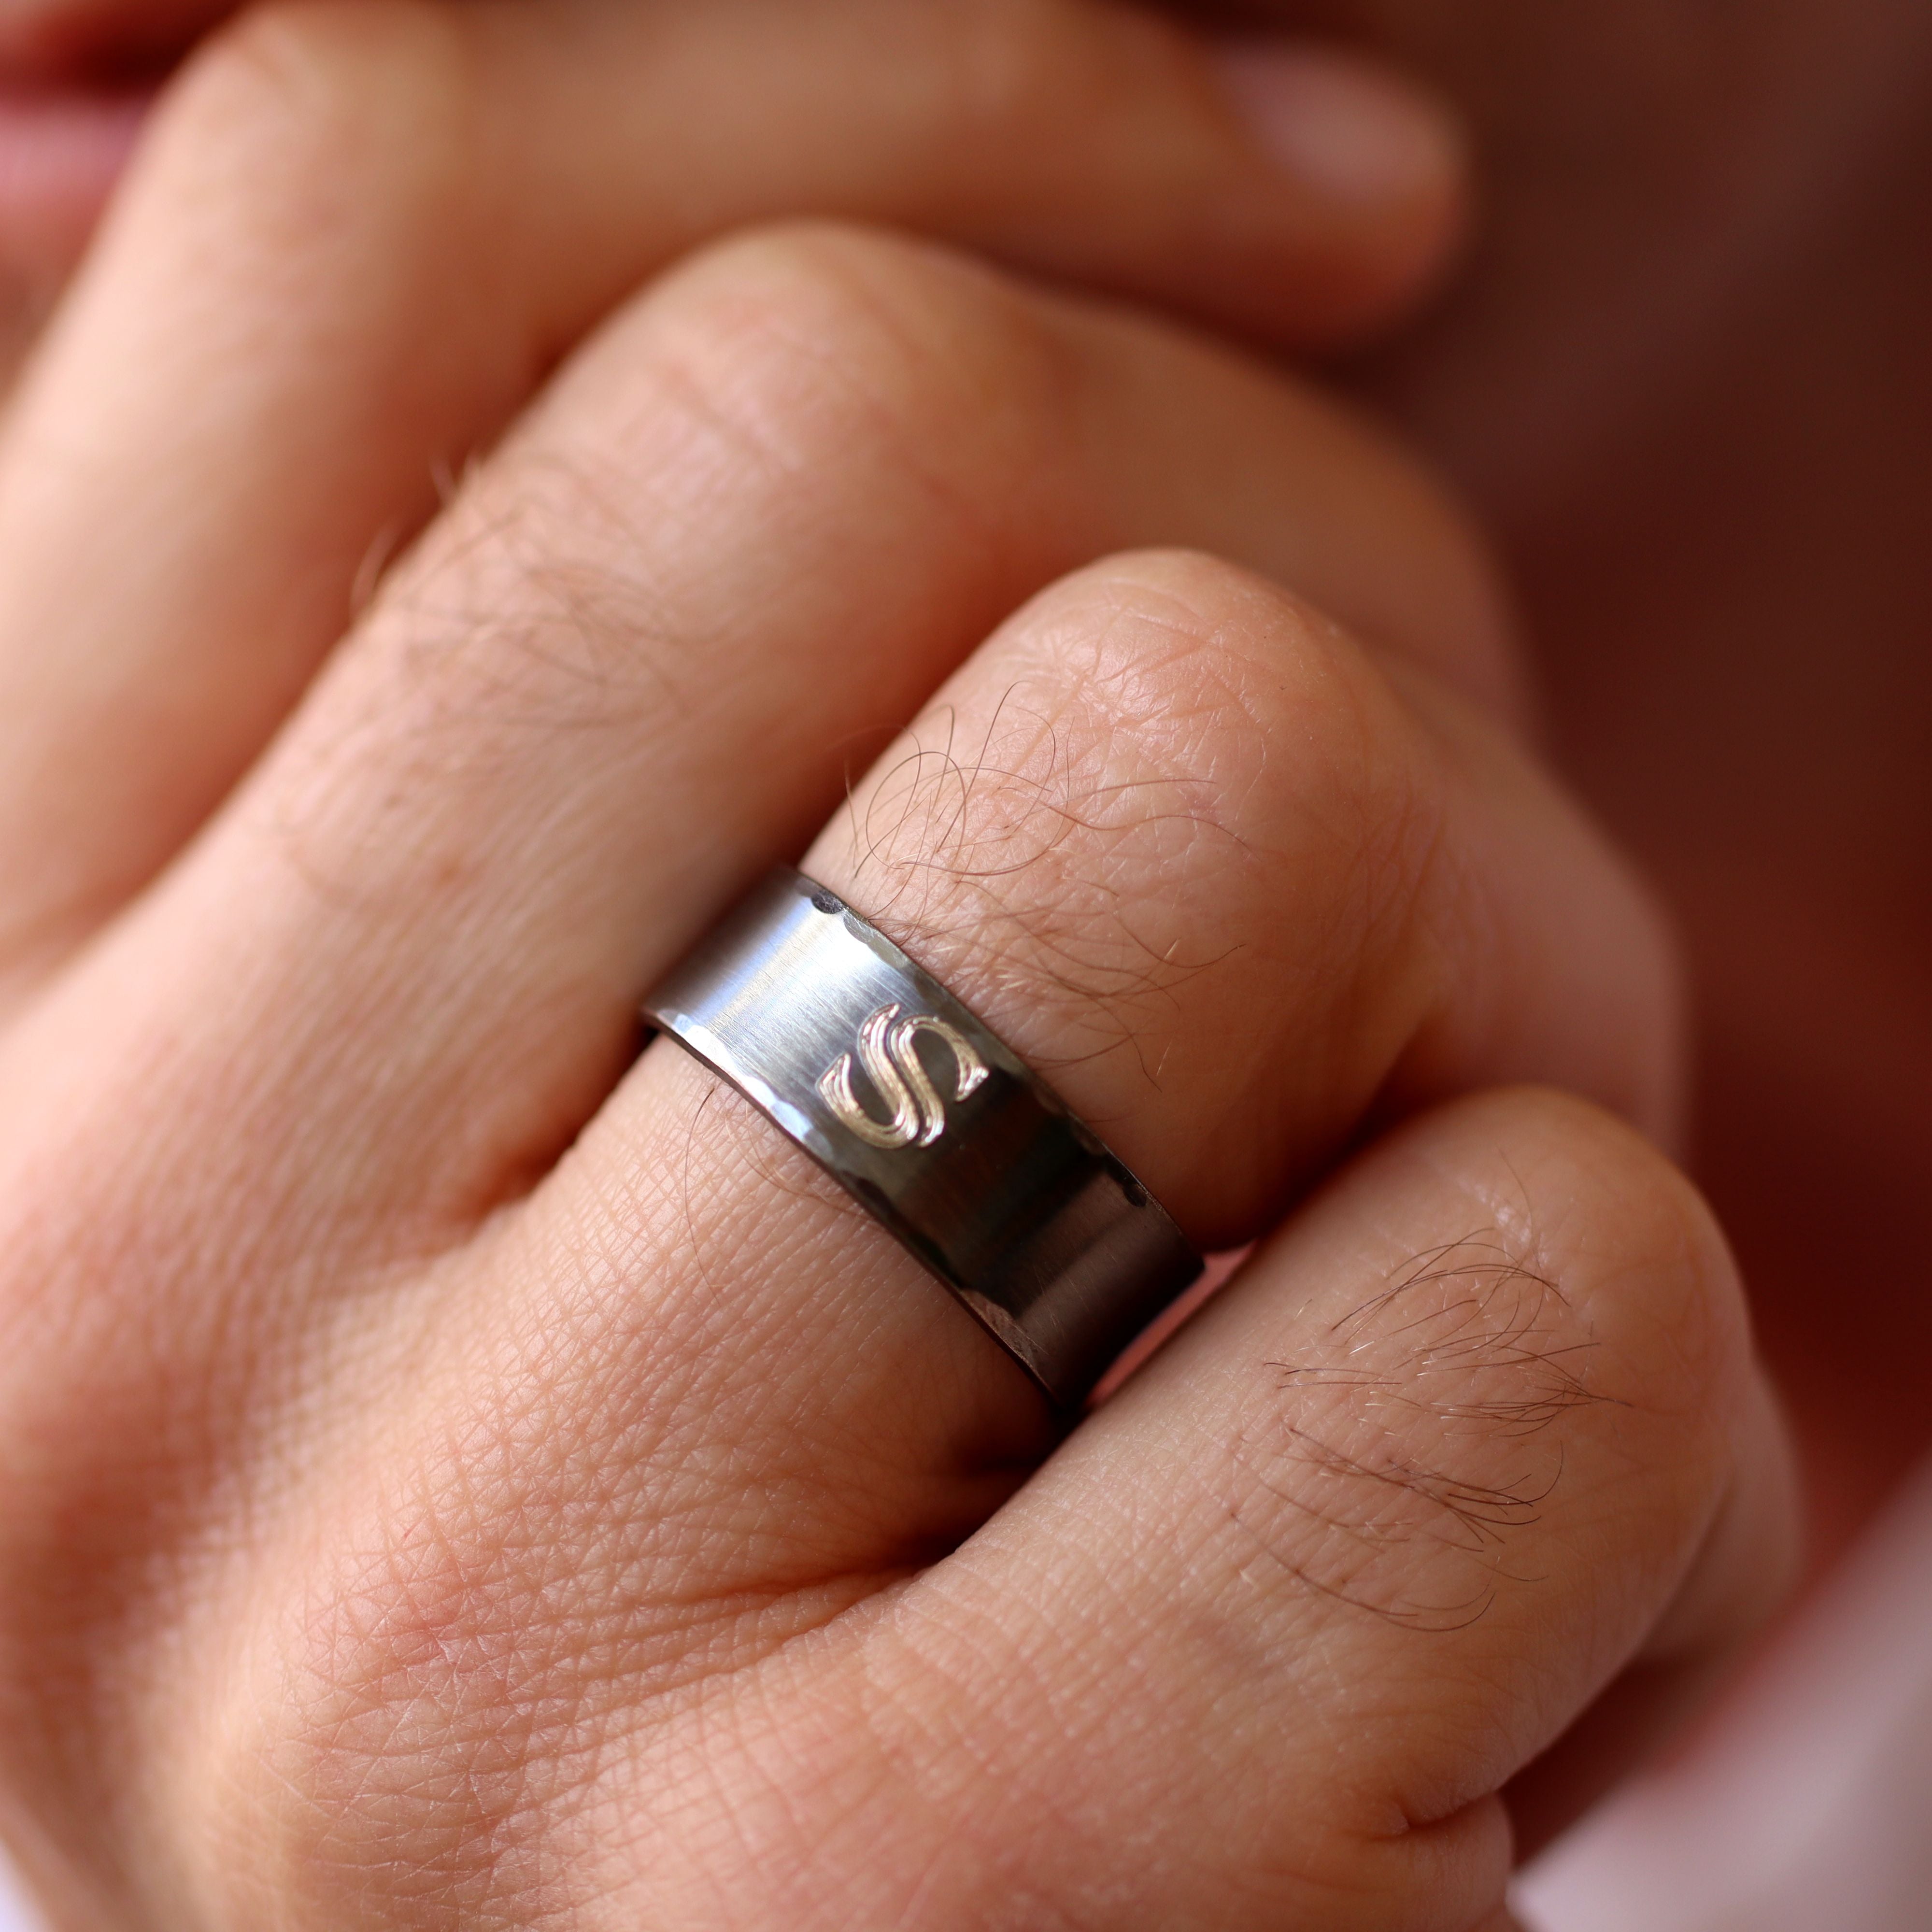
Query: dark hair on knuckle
[[1419, 1440], [1010, 849]]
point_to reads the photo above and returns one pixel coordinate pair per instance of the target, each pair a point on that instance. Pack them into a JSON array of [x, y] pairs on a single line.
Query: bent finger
[[718, 1403], [396, 979], [399, 974]]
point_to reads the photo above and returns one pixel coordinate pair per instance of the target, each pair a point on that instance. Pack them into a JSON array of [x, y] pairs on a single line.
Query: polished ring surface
[[935, 1123]]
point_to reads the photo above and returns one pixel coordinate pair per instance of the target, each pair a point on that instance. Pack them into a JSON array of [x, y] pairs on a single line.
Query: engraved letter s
[[886, 1051]]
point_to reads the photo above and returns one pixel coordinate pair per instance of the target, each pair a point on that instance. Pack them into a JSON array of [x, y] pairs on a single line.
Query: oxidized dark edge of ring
[[931, 1120]]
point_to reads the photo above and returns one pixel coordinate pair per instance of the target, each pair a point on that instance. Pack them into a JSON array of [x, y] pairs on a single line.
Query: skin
[[449, 1558]]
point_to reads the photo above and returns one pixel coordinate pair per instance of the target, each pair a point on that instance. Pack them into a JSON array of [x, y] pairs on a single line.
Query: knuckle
[[838, 342], [393, 1693], [1540, 1346], [1665, 1295], [1402, 1455], [1094, 832], [805, 371], [1585, 1201], [811, 376], [1119, 784], [997, 60], [813, 371], [1212, 669]]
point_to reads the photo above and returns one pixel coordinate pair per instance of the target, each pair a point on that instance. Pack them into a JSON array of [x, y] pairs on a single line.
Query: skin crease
[[1456, 383]]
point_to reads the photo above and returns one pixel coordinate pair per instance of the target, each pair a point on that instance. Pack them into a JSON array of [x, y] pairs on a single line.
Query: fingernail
[[1340, 125]]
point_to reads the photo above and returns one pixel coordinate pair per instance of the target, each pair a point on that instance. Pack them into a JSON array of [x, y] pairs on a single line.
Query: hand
[[453, 1478]]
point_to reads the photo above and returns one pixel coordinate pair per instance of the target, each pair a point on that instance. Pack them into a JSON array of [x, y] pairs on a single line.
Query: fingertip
[[1343, 128], [1378, 162]]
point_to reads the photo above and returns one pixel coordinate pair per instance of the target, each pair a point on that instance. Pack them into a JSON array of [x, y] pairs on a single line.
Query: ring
[[935, 1123]]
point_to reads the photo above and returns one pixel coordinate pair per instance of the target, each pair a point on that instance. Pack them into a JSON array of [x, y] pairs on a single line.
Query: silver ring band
[[928, 1118]]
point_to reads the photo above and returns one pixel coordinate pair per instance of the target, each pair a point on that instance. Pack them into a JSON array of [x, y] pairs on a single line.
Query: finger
[[362, 232], [1357, 1545]]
